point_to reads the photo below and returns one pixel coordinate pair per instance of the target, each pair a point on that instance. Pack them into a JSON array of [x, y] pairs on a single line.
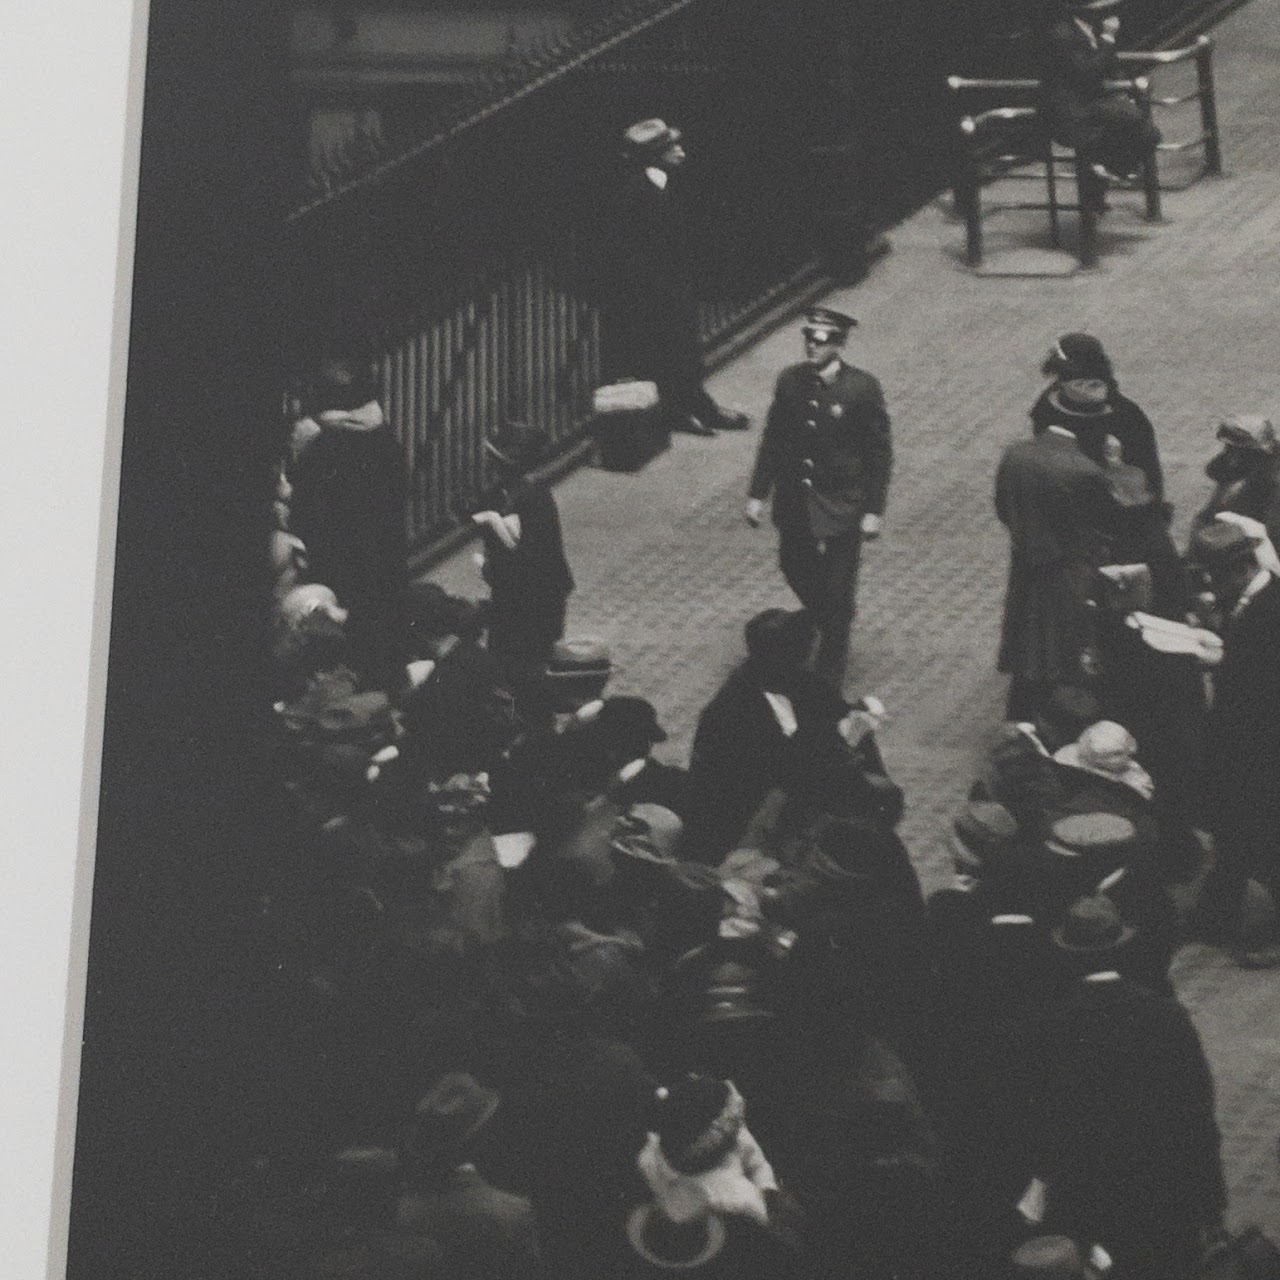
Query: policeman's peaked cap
[[822, 321]]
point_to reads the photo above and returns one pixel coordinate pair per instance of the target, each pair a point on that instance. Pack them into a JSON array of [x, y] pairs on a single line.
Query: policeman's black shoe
[[692, 426], [734, 422]]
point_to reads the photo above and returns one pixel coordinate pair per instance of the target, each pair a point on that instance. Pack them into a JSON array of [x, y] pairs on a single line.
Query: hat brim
[[1101, 411], [1058, 933]]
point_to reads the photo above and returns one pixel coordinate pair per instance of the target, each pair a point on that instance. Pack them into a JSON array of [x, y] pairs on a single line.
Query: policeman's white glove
[[755, 512], [871, 525]]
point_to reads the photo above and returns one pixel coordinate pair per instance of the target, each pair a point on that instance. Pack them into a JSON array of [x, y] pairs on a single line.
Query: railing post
[[1208, 107], [969, 194], [1088, 214], [1150, 170]]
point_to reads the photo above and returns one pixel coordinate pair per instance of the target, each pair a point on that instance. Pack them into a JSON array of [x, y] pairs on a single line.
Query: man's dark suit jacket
[[740, 754]]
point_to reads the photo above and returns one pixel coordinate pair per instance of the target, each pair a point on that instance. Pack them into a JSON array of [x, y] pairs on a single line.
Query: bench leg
[[971, 207], [1151, 187], [1209, 114], [1051, 184], [1088, 214]]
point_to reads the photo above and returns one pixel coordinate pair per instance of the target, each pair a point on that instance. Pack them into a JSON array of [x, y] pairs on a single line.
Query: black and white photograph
[[684, 672]]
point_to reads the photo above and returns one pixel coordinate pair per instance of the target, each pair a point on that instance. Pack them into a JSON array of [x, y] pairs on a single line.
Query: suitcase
[[577, 673], [628, 425]]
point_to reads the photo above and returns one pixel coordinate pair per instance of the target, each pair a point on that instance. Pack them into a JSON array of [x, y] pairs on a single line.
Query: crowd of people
[[576, 1012]]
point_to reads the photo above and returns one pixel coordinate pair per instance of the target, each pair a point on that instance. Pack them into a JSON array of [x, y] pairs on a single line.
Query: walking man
[[826, 457]]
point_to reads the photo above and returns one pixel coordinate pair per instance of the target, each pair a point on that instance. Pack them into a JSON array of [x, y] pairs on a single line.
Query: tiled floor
[[668, 572]]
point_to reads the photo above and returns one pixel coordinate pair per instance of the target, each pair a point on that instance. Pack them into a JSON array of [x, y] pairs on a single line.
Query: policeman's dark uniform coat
[[826, 455], [1052, 499]]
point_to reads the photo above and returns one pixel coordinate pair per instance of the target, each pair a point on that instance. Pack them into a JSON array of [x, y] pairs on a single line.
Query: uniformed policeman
[[826, 456]]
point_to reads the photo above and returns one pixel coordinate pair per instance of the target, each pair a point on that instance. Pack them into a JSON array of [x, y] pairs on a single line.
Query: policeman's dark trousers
[[824, 575]]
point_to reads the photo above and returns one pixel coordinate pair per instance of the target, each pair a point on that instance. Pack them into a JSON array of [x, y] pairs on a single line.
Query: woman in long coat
[[1055, 502]]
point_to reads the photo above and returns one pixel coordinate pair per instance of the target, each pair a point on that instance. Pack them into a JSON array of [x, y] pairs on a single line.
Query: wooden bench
[[1010, 141]]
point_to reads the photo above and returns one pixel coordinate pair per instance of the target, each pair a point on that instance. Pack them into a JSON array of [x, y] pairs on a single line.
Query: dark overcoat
[[528, 585], [1129, 1143], [348, 509], [826, 453], [1126, 422], [1243, 757], [1053, 500], [652, 306]]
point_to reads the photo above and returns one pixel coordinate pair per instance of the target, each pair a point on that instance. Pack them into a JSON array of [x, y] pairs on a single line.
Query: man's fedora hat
[[1248, 431], [1081, 398], [1091, 834], [651, 137], [1092, 924], [824, 325], [1219, 546], [980, 829]]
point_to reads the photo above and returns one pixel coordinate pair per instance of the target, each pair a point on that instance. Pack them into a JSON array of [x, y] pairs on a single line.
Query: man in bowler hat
[[656, 314], [826, 456]]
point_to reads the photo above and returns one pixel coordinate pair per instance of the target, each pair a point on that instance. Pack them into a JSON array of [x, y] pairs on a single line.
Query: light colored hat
[[1107, 746], [1048, 1258], [1079, 834], [311, 597], [1248, 431], [651, 136]]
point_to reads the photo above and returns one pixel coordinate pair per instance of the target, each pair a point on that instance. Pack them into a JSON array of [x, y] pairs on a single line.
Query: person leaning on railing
[[1106, 127]]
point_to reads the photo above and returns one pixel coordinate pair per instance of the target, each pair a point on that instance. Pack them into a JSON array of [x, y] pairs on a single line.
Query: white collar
[[831, 370], [783, 712], [657, 176], [632, 768], [1256, 584]]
